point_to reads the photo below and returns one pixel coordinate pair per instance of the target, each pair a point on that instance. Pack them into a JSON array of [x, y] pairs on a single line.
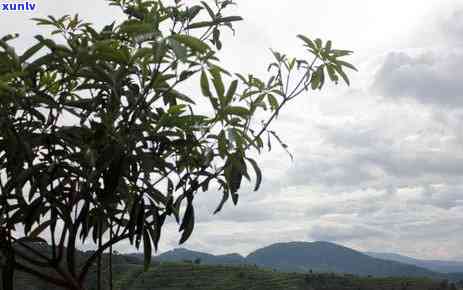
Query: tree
[[100, 142]]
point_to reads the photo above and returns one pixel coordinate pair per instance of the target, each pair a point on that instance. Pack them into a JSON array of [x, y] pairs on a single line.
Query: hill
[[129, 275], [304, 256], [434, 265], [179, 255], [186, 276], [301, 265], [329, 257]]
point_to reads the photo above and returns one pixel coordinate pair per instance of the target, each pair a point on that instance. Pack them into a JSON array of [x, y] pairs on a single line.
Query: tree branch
[[97, 253]]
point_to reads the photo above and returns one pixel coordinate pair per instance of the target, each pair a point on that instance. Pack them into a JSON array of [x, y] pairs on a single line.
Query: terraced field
[[170, 276], [188, 276]]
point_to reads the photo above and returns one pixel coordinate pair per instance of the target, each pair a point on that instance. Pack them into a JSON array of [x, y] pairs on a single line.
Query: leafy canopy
[[99, 142]]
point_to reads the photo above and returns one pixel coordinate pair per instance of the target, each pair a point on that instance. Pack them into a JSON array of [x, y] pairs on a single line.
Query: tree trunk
[[111, 268]]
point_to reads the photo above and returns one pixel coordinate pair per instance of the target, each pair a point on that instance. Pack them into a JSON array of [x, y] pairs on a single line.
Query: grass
[[189, 276], [183, 276]]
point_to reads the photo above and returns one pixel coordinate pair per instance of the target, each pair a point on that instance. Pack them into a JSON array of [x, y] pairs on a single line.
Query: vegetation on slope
[[183, 276]]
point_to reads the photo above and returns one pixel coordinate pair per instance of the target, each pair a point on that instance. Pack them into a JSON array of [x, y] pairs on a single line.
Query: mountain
[[179, 255], [329, 257], [306, 256], [434, 265]]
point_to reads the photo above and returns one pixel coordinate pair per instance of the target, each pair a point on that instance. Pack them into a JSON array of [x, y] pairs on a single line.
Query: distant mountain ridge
[[434, 265], [311, 256], [179, 255], [329, 257]]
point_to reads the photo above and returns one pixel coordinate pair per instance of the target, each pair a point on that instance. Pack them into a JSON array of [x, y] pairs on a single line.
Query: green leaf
[[239, 111], [225, 197], [217, 21], [174, 94], [136, 27], [342, 74], [156, 232], [217, 81], [37, 231], [192, 42], [205, 85], [328, 46], [344, 63], [235, 197], [209, 10], [19, 180], [234, 170], [318, 44], [291, 63], [259, 102], [84, 104], [272, 101], [31, 51], [180, 51], [143, 52], [307, 41], [332, 73], [340, 52], [257, 171], [193, 11], [201, 24], [315, 81], [223, 148], [231, 92], [187, 223], [322, 76], [229, 19]]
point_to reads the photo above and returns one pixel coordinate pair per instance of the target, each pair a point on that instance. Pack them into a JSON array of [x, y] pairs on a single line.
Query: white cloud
[[431, 78]]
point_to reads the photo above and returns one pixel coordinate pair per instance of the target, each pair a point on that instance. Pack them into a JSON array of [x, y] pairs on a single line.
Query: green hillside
[[186, 276], [128, 274], [183, 276], [179, 255]]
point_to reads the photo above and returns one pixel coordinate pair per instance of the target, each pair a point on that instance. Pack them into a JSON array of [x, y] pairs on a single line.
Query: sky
[[377, 165]]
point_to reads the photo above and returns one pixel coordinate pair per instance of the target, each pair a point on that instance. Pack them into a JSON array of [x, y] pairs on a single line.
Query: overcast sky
[[378, 166]]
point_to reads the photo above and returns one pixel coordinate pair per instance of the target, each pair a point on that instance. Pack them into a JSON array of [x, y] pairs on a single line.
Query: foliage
[[98, 143], [182, 276]]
